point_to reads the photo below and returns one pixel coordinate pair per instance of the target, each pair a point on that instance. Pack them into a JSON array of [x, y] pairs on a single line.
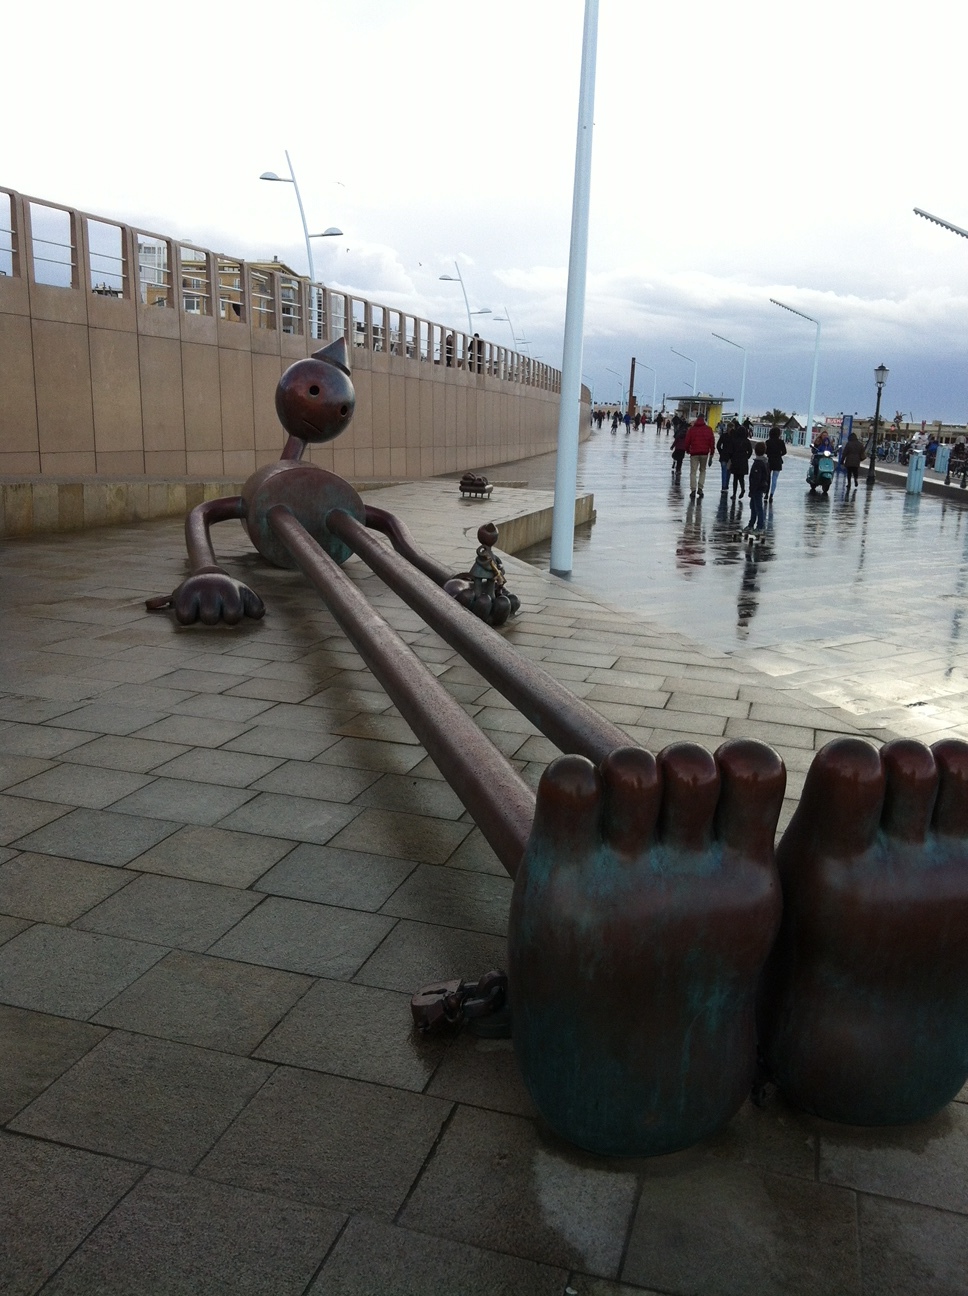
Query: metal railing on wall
[[61, 247]]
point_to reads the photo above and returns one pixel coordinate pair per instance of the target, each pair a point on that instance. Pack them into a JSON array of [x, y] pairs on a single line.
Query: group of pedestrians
[[736, 450]]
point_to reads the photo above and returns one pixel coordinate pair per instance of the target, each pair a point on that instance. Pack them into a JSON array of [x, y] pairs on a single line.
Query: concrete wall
[[125, 353]]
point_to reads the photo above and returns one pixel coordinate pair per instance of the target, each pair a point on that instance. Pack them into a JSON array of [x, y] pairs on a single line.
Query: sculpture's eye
[[314, 390], [344, 410]]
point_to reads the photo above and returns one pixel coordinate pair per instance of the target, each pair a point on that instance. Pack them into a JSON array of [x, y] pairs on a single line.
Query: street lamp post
[[327, 233], [955, 229], [459, 278], [880, 377], [816, 360], [621, 380], [695, 369], [742, 386]]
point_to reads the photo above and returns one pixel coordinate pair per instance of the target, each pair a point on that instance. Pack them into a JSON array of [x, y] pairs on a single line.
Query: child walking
[[759, 484]]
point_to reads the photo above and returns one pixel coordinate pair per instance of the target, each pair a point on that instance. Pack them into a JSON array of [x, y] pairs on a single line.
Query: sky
[[741, 151]]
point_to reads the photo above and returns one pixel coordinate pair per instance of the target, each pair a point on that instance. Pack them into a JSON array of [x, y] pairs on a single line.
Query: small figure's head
[[315, 397]]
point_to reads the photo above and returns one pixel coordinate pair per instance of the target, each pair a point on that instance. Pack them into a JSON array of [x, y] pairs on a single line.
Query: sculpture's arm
[[378, 519], [210, 594]]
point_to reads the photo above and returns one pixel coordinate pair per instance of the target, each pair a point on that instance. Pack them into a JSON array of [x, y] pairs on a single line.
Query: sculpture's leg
[[863, 1010], [209, 594], [643, 910]]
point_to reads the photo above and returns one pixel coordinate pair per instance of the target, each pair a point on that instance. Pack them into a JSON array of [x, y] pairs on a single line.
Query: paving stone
[[170, 911], [233, 769], [193, 731], [20, 816], [81, 785], [287, 744], [355, 1031], [402, 836], [481, 1072], [219, 706], [911, 1250], [725, 1230], [145, 1099], [317, 939], [50, 1199], [381, 728], [182, 1236], [416, 954], [299, 817], [532, 1196], [10, 927], [327, 875], [98, 836], [316, 780], [211, 1002], [926, 1163], [362, 753], [453, 898], [329, 1141], [37, 1048], [216, 855], [475, 854], [46, 889], [67, 972], [120, 753], [190, 802], [201, 681], [33, 711], [371, 1257], [103, 717], [776, 1138], [413, 795], [41, 739], [15, 769]]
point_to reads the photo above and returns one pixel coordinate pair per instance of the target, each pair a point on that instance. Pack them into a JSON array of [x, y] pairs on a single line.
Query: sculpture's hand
[[211, 595], [864, 1008], [643, 910]]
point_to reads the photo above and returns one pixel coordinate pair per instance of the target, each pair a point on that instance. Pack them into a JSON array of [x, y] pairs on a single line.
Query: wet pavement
[[860, 595]]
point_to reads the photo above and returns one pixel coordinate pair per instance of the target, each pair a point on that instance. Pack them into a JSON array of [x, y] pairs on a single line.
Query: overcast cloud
[[741, 151]]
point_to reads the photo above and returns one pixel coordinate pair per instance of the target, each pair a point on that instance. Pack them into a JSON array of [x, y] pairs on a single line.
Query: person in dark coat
[[739, 460], [679, 430], [775, 450], [852, 457], [724, 448]]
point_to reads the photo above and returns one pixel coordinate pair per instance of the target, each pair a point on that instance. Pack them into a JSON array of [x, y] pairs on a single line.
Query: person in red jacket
[[700, 447]]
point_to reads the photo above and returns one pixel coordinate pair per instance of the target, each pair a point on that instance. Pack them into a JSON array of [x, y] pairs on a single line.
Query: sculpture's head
[[315, 397]]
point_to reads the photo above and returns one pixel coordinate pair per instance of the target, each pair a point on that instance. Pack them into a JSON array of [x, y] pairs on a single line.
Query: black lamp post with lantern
[[880, 377]]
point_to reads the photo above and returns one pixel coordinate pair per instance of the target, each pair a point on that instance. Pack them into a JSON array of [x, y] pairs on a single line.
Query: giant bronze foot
[[643, 911], [864, 1008]]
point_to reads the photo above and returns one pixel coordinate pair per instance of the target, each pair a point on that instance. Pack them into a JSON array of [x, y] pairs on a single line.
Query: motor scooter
[[821, 471]]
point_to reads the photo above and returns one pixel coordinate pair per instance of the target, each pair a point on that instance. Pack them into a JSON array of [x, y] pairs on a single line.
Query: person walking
[[852, 458], [724, 447], [739, 461], [678, 445], [759, 484], [775, 450], [627, 420], [614, 421], [699, 445]]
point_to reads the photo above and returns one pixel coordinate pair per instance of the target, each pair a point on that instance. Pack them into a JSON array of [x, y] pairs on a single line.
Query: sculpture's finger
[[840, 807], [567, 813], [158, 602], [689, 794], [185, 603], [252, 604], [951, 808], [633, 796], [911, 785], [753, 780]]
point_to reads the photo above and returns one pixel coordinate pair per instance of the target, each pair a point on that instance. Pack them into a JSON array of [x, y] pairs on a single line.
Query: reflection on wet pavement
[[858, 596]]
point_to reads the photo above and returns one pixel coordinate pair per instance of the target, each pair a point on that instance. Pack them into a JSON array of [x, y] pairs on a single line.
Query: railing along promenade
[[129, 353]]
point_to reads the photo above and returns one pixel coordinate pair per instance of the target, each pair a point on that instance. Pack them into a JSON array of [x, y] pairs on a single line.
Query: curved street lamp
[[695, 370], [816, 359], [742, 388], [459, 278], [332, 232], [654, 382], [621, 381], [880, 377]]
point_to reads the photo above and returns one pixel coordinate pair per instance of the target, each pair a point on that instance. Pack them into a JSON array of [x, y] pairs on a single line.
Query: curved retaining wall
[[125, 353]]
